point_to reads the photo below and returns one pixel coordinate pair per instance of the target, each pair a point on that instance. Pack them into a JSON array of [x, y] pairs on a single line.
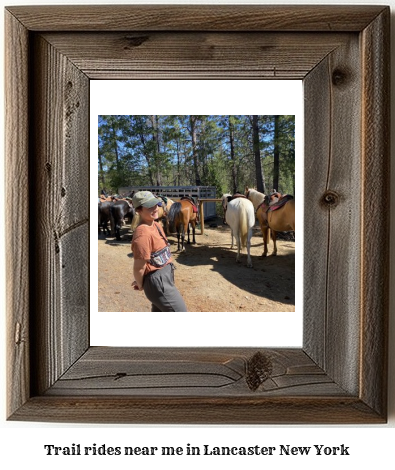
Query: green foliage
[[178, 150]]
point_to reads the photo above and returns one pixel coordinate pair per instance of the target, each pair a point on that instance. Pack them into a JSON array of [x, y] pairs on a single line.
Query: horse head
[[225, 199]]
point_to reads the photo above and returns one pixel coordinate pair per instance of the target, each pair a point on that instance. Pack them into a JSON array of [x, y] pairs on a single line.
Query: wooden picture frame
[[340, 374]]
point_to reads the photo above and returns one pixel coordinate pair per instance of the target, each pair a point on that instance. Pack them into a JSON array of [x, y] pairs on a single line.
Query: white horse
[[254, 196], [240, 217]]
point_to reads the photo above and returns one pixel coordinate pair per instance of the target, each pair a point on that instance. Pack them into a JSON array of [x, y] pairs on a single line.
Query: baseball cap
[[145, 199]]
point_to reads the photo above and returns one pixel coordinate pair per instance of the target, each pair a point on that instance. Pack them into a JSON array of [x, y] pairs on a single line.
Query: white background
[[21, 444]]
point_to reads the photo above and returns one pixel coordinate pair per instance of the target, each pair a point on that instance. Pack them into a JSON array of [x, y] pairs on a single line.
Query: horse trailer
[[177, 192]]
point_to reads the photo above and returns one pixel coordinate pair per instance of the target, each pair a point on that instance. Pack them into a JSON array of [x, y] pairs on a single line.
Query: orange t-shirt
[[146, 240]]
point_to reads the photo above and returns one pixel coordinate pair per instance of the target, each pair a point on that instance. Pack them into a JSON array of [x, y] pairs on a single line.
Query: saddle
[[236, 196], [277, 204], [191, 200], [275, 197]]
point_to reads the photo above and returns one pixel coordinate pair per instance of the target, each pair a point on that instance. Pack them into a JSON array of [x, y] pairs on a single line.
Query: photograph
[[157, 176]]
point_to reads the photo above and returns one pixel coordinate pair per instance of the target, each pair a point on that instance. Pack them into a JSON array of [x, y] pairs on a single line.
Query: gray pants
[[161, 291]]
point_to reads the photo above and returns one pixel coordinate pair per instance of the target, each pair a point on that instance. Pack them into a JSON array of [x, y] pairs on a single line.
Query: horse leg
[[182, 238], [265, 233], [238, 239], [105, 229], [178, 239], [274, 238], [193, 232], [188, 233], [249, 261], [231, 233]]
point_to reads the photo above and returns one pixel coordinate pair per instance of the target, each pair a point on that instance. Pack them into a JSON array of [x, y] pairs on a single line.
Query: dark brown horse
[[180, 215]]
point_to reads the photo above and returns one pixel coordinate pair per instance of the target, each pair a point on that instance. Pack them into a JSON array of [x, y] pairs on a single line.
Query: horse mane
[[255, 197]]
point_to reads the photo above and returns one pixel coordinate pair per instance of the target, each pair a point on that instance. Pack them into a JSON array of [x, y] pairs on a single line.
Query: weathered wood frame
[[340, 374]]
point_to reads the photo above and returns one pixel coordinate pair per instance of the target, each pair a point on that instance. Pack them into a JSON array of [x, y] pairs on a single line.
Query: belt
[[156, 270]]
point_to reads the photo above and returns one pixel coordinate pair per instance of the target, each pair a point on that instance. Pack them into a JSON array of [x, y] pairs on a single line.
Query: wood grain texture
[[132, 385], [196, 55], [339, 376], [60, 247], [376, 167], [198, 410], [317, 113], [196, 18], [17, 213], [188, 372], [332, 214]]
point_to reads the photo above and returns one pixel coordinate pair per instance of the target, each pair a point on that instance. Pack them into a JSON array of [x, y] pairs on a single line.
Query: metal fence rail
[[176, 192]]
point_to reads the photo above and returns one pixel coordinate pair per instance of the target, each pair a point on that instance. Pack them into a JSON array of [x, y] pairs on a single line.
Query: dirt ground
[[207, 274]]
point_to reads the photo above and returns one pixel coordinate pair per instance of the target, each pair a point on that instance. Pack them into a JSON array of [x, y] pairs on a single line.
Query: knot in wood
[[135, 41], [330, 199], [340, 77], [259, 369]]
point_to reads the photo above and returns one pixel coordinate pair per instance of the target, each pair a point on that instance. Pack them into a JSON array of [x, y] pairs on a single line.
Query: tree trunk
[[276, 166], [142, 139], [101, 171], [178, 163], [155, 138], [232, 153], [114, 139], [260, 184], [195, 153]]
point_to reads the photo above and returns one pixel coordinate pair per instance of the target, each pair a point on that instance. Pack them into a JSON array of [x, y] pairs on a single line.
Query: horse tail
[[243, 226], [175, 209], [247, 221]]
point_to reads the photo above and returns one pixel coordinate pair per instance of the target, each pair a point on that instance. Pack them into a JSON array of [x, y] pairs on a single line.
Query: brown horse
[[182, 214], [278, 220]]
